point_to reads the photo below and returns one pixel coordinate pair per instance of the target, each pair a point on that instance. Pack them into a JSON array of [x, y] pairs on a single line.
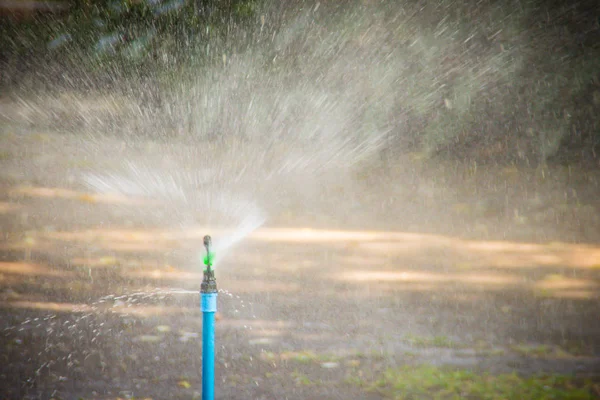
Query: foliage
[[120, 37], [509, 81]]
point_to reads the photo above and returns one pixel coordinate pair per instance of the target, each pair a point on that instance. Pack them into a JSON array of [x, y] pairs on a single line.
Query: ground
[[485, 268]]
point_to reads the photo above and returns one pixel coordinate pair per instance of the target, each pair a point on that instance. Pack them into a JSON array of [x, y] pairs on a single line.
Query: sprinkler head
[[207, 243], [209, 283]]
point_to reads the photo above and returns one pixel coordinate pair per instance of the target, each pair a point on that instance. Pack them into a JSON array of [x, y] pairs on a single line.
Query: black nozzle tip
[[207, 241]]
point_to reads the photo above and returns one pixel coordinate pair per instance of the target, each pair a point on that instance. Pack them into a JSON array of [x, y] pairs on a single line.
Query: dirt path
[[490, 270]]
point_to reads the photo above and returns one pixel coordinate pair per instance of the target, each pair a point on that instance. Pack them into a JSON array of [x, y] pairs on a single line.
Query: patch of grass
[[268, 356], [429, 382], [532, 350], [301, 357], [435, 341], [541, 351], [304, 357], [490, 352], [301, 379], [542, 292], [5, 155], [373, 355]]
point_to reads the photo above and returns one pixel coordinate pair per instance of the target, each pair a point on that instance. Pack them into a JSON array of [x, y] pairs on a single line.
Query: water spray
[[208, 305]]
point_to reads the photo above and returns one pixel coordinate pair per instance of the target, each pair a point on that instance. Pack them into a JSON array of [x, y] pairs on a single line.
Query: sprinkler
[[208, 305]]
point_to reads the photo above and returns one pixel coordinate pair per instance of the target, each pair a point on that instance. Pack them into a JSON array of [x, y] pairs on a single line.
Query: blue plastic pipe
[[208, 305], [209, 308]]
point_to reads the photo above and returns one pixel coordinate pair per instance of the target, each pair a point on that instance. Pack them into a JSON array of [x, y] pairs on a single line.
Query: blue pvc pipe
[[209, 308]]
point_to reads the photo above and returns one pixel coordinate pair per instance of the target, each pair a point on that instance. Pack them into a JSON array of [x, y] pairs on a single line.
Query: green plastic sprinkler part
[[210, 256], [209, 283]]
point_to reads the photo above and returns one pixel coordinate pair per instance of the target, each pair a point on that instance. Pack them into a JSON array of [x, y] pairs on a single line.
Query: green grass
[[533, 350], [5, 155], [303, 357], [568, 350], [300, 357], [429, 382], [302, 379], [435, 341], [490, 352]]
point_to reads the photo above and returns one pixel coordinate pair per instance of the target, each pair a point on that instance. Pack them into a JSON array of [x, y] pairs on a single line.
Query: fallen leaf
[[184, 384], [107, 261], [87, 198]]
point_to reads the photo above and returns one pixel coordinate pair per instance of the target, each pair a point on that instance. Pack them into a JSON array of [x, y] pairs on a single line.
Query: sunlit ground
[[291, 293], [357, 257], [390, 260]]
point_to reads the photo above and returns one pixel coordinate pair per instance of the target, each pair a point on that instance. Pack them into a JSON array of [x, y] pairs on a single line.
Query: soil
[[484, 267]]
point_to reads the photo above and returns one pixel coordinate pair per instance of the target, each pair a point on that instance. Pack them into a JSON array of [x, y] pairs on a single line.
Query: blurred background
[[404, 198]]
